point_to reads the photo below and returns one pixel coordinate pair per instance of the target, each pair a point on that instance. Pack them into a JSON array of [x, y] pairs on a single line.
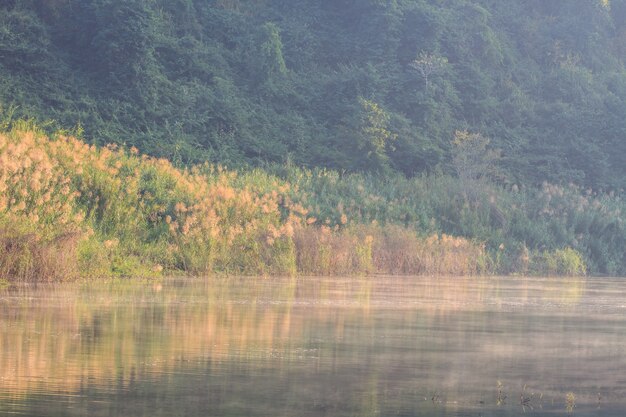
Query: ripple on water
[[315, 347]]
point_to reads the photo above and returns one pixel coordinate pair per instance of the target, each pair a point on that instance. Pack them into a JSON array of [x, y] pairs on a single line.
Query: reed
[[392, 250], [25, 256], [326, 251], [398, 250], [71, 209]]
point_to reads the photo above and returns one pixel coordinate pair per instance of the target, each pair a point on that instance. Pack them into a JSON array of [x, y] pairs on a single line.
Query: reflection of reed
[[66, 338], [56, 337]]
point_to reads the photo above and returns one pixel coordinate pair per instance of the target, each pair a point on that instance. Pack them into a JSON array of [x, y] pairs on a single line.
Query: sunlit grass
[[130, 214], [70, 209]]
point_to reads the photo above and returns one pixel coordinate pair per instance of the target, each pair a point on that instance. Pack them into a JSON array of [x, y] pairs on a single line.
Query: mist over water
[[375, 346]]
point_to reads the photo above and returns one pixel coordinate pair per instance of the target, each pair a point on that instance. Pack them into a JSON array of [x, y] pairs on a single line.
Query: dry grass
[[388, 250], [26, 257], [326, 251], [398, 250]]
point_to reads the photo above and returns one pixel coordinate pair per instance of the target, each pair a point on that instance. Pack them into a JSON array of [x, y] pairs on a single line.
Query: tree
[[473, 160], [24, 42], [123, 43], [271, 49], [429, 64], [372, 136]]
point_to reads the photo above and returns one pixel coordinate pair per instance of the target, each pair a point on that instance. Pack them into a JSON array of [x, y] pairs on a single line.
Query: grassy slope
[[69, 209]]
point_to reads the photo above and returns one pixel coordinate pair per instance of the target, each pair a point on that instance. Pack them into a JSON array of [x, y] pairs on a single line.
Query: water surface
[[377, 346]]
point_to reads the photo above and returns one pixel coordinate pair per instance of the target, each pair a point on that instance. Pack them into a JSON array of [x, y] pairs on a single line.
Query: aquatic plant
[[570, 402], [69, 208], [111, 211], [501, 398]]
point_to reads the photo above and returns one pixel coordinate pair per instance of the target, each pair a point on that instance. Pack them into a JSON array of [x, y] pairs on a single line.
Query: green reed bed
[[68, 209]]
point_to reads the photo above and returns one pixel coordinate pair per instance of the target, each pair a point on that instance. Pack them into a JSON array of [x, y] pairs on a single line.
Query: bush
[[568, 262]]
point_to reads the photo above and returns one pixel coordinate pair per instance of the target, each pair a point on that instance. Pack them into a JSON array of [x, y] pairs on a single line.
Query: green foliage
[[271, 51], [369, 137], [568, 262], [522, 227], [367, 93], [68, 208], [473, 161], [331, 84]]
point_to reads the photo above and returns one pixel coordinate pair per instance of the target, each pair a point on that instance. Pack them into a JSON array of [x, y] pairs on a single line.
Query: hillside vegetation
[[367, 85], [312, 137]]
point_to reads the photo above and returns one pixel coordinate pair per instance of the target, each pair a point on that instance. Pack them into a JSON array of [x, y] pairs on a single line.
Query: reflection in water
[[315, 347]]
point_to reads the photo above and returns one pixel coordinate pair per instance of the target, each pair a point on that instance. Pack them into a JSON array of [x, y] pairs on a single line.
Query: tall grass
[[326, 251], [131, 214], [400, 251], [519, 225], [25, 255], [69, 209]]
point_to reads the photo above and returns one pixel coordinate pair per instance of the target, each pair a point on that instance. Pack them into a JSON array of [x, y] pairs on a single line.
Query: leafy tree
[[370, 137], [24, 43], [255, 82], [473, 160], [428, 64], [271, 51]]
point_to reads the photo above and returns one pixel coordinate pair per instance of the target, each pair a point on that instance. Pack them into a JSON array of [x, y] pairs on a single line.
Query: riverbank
[[69, 209]]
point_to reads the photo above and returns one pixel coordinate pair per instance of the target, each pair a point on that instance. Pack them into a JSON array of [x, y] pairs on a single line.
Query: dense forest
[[312, 136], [351, 85]]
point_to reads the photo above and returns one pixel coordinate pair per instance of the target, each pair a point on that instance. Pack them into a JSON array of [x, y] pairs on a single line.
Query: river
[[372, 346]]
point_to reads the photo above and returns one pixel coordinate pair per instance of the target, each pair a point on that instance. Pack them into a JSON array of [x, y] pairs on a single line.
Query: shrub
[[566, 261]]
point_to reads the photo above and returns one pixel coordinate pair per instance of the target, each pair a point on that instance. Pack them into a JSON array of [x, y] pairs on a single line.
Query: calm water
[[315, 347]]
